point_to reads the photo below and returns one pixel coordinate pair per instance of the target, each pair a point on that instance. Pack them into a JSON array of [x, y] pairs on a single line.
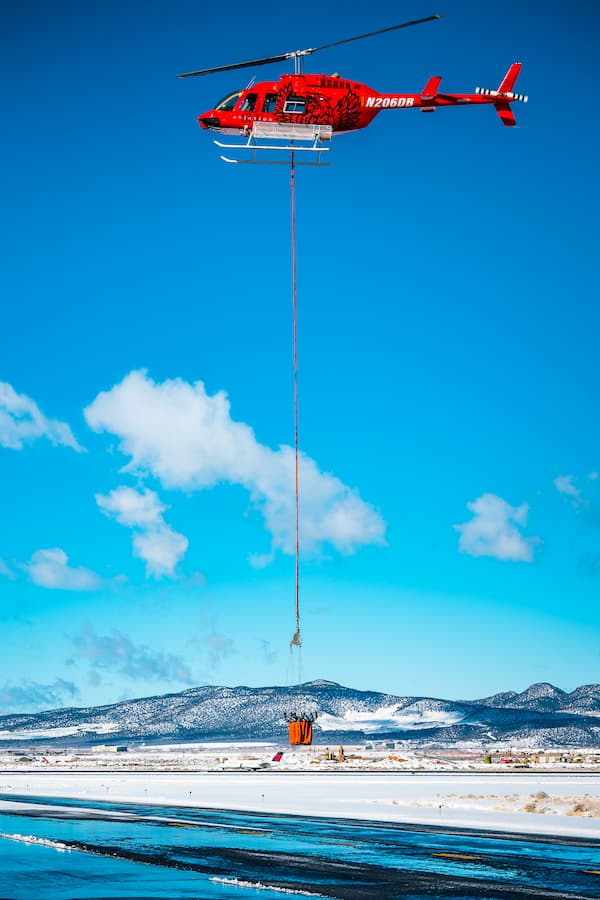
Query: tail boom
[[430, 98]]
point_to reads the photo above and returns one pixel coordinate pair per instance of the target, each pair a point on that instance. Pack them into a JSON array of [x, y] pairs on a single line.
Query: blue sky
[[448, 327]]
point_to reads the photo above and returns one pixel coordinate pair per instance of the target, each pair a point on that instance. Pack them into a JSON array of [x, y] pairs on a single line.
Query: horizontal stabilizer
[[431, 88], [508, 95]]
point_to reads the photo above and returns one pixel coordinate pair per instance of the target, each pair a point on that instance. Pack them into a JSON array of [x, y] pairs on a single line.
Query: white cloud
[[21, 421], [220, 647], [33, 695], [494, 530], [133, 508], [117, 652], [261, 560], [564, 484], [6, 571], [154, 541], [269, 654], [50, 569], [185, 437], [161, 549]]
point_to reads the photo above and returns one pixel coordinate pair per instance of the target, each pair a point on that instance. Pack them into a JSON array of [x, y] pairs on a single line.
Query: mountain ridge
[[542, 714]]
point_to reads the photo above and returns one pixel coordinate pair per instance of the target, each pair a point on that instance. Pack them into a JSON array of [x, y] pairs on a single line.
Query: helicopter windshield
[[228, 101]]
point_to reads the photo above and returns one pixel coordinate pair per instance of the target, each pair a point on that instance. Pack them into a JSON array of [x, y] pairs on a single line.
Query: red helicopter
[[312, 108]]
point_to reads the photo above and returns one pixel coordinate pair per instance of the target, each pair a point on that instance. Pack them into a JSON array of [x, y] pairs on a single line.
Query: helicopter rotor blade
[[265, 60], [245, 65], [368, 34]]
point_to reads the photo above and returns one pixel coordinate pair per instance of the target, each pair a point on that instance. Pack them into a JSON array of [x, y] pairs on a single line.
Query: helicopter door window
[[269, 103], [248, 103], [295, 105]]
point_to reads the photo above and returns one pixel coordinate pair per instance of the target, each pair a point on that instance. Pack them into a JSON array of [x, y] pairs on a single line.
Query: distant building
[[109, 748]]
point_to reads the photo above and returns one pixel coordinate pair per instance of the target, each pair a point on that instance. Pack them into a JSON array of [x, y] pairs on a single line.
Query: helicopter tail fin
[[503, 107], [509, 80], [506, 95]]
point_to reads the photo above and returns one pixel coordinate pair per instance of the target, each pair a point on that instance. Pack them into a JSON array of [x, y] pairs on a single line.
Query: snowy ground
[[559, 804], [397, 756]]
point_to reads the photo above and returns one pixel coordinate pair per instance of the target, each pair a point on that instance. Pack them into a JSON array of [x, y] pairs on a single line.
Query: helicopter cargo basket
[[294, 137]]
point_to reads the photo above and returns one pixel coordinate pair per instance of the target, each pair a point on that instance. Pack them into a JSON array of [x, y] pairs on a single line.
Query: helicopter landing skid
[[299, 138]]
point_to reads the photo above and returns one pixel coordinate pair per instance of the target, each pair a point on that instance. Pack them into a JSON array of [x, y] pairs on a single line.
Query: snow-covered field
[[374, 755], [388, 718], [561, 804]]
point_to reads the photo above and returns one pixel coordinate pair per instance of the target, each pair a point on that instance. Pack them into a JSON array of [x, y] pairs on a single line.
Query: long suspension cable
[[296, 415], [296, 641]]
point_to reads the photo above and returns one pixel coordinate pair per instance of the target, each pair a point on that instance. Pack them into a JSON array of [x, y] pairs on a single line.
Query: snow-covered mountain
[[544, 697], [541, 715]]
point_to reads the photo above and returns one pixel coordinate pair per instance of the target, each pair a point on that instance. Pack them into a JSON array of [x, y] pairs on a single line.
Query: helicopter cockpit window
[[248, 103], [228, 101], [295, 105], [269, 103]]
